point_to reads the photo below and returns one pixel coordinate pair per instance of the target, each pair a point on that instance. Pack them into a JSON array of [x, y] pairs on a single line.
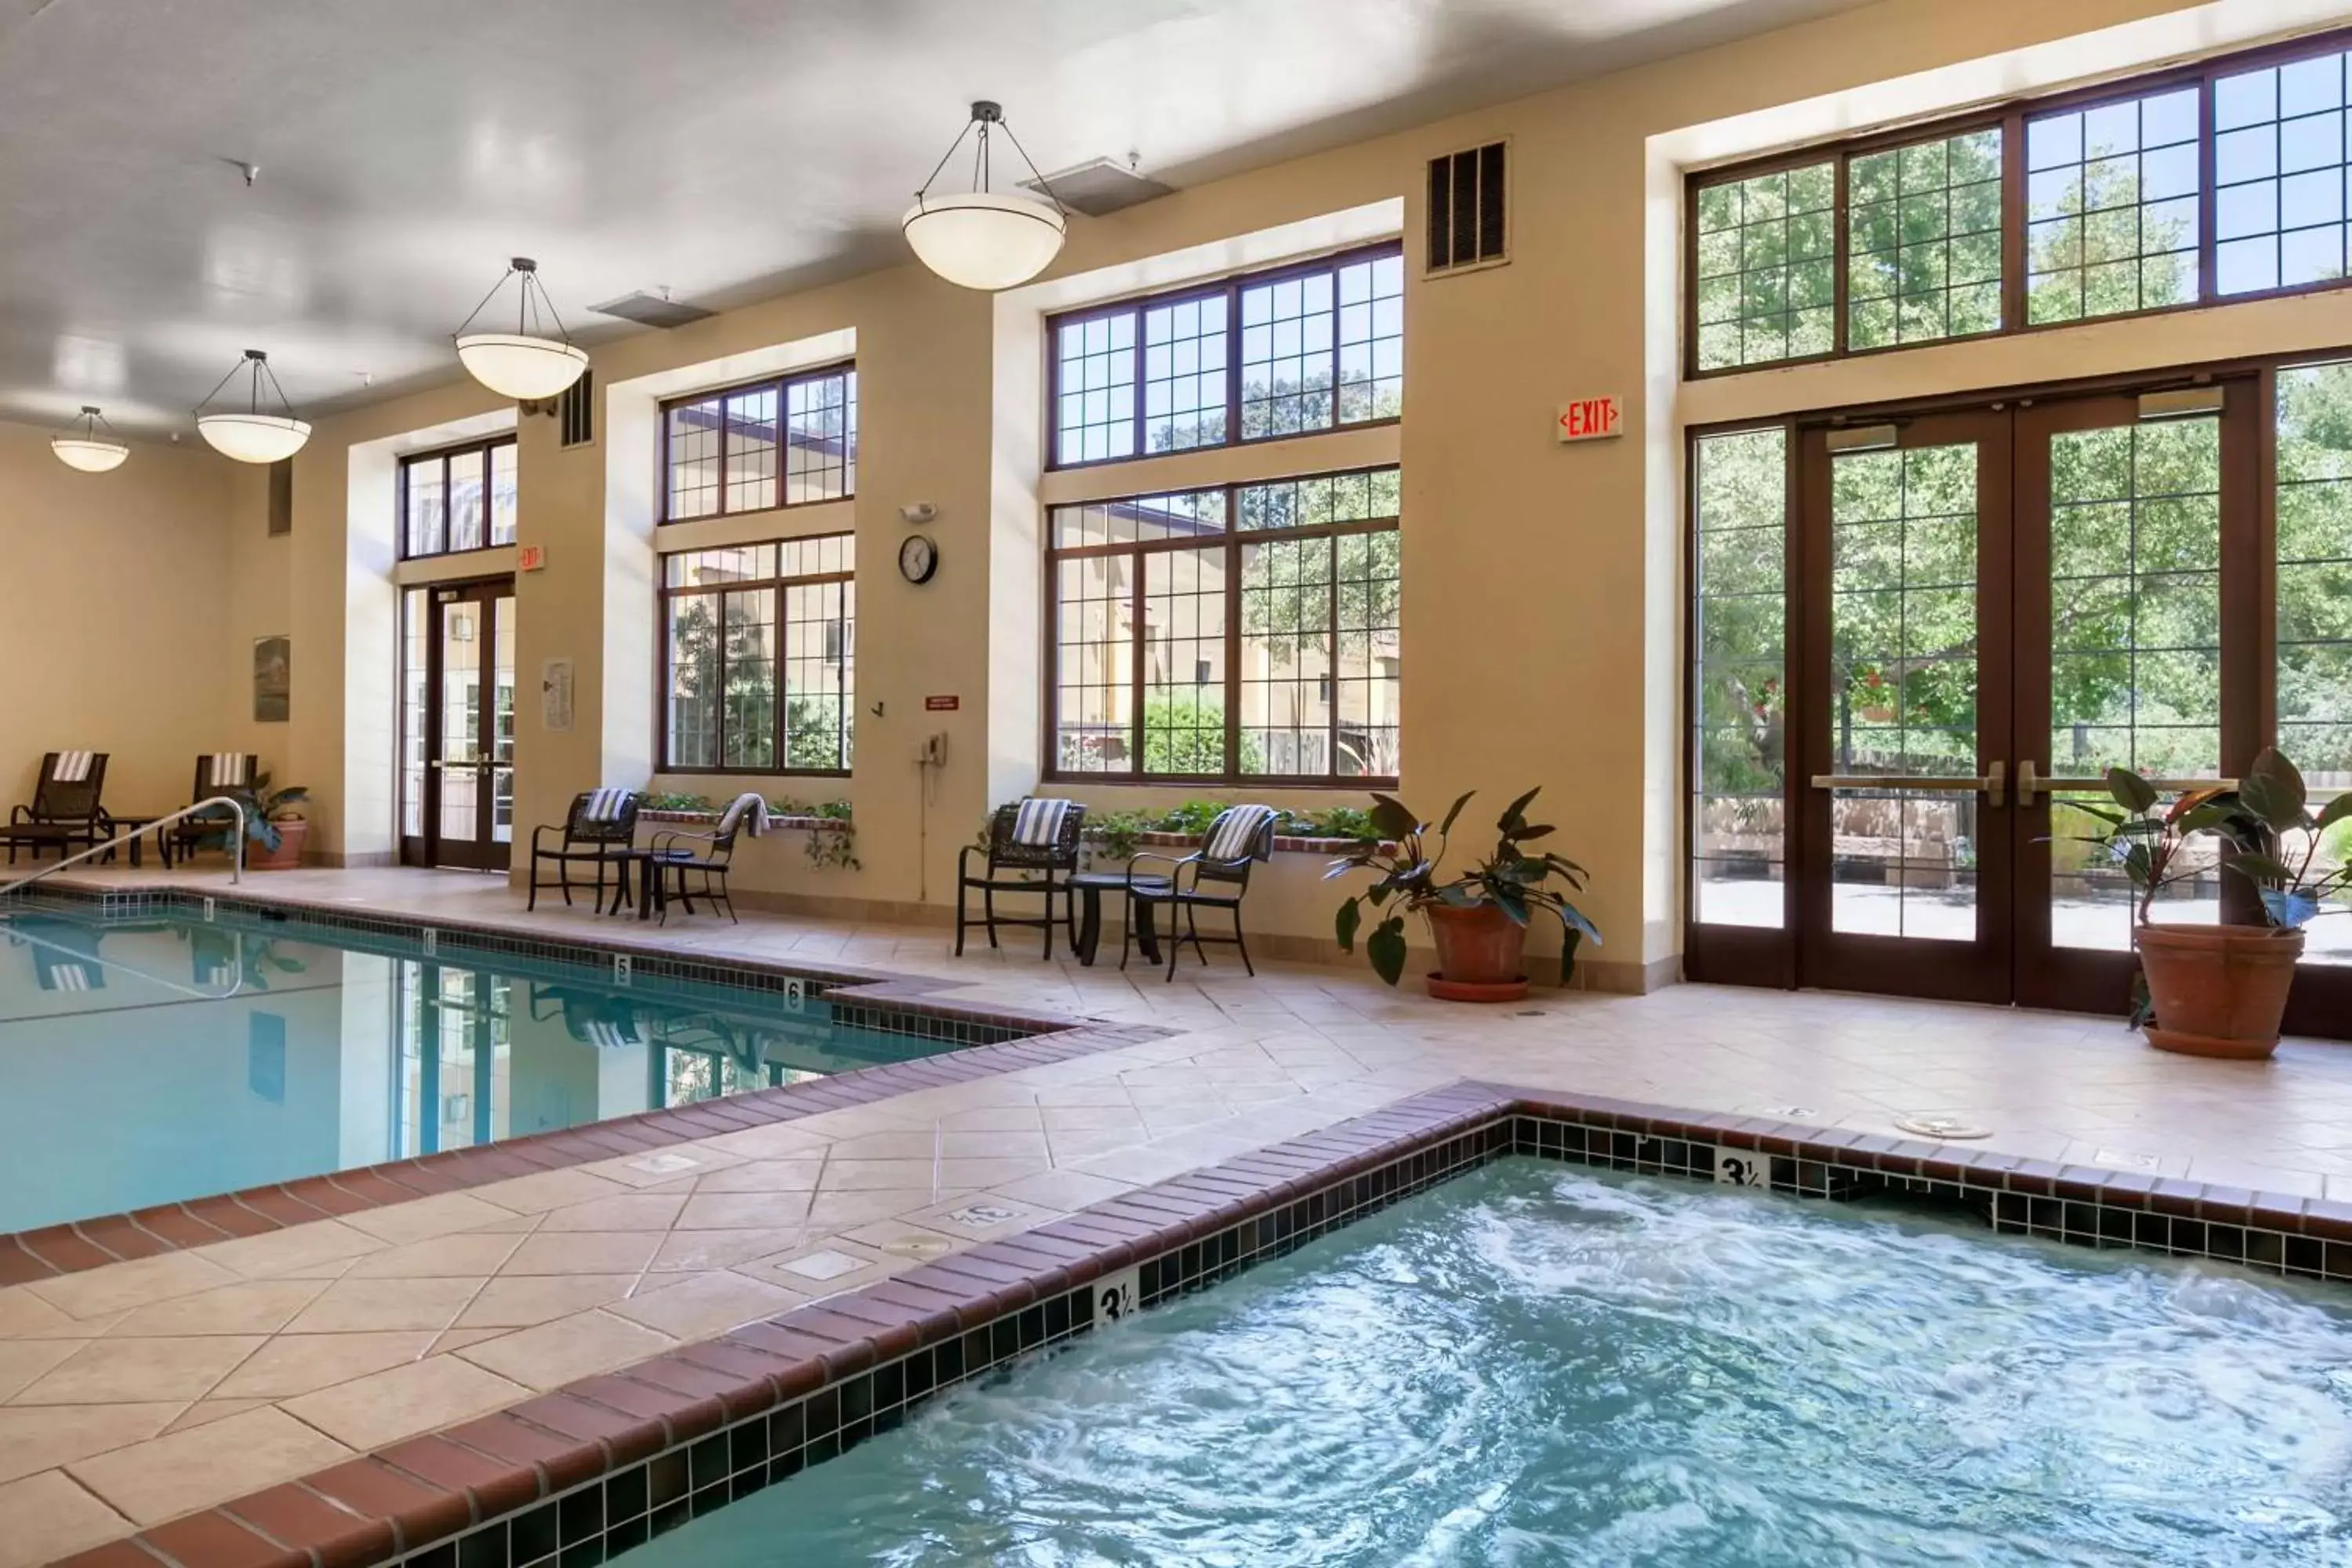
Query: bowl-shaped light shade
[[88, 452], [520, 366], [984, 239], [253, 437]]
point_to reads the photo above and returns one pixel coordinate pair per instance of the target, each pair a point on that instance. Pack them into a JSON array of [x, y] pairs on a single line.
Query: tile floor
[[137, 1392]]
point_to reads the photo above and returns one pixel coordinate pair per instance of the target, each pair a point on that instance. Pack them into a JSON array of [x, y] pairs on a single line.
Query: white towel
[[607, 1035], [225, 770], [605, 805], [746, 811], [1037, 823], [73, 767], [1234, 836], [69, 977]]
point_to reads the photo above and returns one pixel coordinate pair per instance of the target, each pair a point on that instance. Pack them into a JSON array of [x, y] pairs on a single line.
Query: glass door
[[1906, 847], [463, 813]]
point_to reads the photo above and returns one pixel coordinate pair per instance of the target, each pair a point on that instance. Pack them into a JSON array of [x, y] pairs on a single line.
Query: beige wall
[[1543, 599]]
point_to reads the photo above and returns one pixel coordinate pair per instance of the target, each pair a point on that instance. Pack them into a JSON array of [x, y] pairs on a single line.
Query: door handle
[[2027, 782], [1993, 787]]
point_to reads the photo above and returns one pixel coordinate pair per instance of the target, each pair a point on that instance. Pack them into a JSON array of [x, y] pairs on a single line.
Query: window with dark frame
[[1313, 346], [2189, 187], [1246, 633], [787, 441], [457, 499], [759, 655]]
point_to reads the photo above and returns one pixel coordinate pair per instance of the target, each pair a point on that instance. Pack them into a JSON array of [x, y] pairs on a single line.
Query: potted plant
[[1477, 920], [2221, 990], [275, 825]]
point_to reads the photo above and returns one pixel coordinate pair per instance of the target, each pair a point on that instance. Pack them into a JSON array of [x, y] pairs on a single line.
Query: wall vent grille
[[1469, 209]]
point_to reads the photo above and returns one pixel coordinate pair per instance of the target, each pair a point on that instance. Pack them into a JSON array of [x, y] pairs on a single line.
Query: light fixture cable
[[257, 362]]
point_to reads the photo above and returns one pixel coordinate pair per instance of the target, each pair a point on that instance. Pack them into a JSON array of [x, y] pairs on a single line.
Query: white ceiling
[[723, 149]]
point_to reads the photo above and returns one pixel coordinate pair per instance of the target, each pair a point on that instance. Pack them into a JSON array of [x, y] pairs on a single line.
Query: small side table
[[1090, 887], [122, 824]]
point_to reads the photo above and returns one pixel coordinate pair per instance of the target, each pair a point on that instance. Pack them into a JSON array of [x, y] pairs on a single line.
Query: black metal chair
[[746, 814], [1239, 837], [1038, 839], [66, 812], [217, 772], [600, 830]]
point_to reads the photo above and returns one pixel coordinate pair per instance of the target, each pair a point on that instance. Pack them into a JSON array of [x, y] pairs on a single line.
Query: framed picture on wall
[[272, 679]]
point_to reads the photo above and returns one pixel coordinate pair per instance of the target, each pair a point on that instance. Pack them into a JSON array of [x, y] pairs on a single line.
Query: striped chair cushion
[[746, 811], [225, 770], [1038, 824], [608, 1035], [605, 805], [73, 767], [1234, 836]]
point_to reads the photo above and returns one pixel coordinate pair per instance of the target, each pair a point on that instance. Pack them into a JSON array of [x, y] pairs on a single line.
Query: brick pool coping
[[859, 997], [606, 1463]]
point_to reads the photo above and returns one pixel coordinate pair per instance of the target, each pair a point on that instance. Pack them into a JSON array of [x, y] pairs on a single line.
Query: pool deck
[[134, 1392]]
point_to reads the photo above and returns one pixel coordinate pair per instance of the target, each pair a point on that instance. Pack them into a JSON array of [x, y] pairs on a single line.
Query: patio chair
[[600, 830], [746, 814], [217, 772], [1239, 837], [66, 812], [1036, 837]]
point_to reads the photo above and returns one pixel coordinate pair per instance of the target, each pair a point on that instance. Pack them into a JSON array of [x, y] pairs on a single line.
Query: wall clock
[[917, 559]]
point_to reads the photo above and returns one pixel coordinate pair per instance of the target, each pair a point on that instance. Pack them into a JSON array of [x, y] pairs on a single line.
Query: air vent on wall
[[1468, 211], [1098, 188], [651, 310], [577, 411], [281, 495]]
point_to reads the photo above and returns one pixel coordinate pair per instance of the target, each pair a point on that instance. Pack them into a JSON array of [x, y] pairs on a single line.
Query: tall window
[[1244, 633], [1740, 708], [2315, 603], [784, 442], [1306, 348], [761, 658], [462, 497]]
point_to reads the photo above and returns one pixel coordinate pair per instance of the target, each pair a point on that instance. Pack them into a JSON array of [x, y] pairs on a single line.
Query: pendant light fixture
[[984, 238], [525, 364], [80, 445], [252, 435]]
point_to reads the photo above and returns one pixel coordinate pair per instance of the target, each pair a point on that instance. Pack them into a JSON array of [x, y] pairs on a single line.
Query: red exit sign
[[1590, 419]]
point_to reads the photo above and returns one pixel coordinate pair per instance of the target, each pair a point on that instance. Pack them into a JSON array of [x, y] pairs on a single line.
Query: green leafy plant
[[1116, 835], [1331, 822], [2145, 838], [674, 800], [265, 808], [2279, 840], [832, 837], [1514, 879]]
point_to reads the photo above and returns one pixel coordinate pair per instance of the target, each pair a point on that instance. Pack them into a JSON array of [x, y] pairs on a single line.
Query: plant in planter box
[[275, 825], [1477, 920]]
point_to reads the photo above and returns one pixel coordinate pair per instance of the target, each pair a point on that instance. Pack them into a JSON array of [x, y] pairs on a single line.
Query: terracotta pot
[[286, 856], [2218, 991], [1481, 954]]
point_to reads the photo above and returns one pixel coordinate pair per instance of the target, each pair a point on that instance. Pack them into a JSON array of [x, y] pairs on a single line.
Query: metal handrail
[[121, 840]]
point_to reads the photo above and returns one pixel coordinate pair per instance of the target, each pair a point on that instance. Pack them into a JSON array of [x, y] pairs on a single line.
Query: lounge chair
[[1241, 836], [217, 772], [746, 814], [600, 830], [1039, 837], [66, 812]]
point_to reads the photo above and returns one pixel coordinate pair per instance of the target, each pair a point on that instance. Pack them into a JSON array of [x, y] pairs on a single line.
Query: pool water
[[1532, 1366], [157, 1058]]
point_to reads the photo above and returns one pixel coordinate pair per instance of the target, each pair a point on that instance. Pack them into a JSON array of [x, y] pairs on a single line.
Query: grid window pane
[[1286, 375], [1923, 241], [1286, 592], [1094, 418], [750, 449], [693, 680], [1371, 677], [503, 493], [2314, 604], [1093, 670], [1371, 339], [1184, 662], [428, 532], [1184, 349], [465, 500], [2111, 207], [462, 499], [1767, 279], [731, 661], [748, 710], [819, 420], [1740, 708], [415, 617], [2279, 172], [694, 459], [820, 674]]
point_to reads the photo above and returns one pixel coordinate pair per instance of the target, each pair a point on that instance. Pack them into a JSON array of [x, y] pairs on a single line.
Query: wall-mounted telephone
[[933, 752]]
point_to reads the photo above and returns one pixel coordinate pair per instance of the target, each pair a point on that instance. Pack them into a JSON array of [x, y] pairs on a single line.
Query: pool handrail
[[121, 840]]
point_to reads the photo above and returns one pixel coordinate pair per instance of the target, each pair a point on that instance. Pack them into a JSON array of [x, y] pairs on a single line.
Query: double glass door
[[460, 719], [1994, 607]]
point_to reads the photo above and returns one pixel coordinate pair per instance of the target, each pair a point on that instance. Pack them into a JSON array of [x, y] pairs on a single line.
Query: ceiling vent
[[1098, 188], [1468, 210], [651, 310]]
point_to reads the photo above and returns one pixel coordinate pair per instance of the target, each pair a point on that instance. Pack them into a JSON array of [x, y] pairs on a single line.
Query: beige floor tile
[[866, 1175], [687, 1250], [278, 1252], [899, 1238], [658, 1167], [22, 1312], [823, 1268], [124, 1287], [958, 1174], [520, 1301], [981, 1218], [584, 1252], [743, 1211], [166, 1477], [204, 1412], [259, 1307], [299, 1363], [458, 1339], [547, 1190], [839, 1211], [894, 1145], [555, 1353], [707, 1305], [360, 1305], [623, 1210], [22, 1361], [40, 1436], [134, 1371], [426, 1217], [1023, 1118], [467, 1254], [791, 1141], [386, 1407], [48, 1516], [1067, 1190], [765, 1176], [1028, 1143]]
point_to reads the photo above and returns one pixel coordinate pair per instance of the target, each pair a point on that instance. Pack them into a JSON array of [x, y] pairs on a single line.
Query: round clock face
[[917, 559]]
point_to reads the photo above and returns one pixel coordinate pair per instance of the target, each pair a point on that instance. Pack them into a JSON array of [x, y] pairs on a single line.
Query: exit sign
[[530, 558], [1590, 419]]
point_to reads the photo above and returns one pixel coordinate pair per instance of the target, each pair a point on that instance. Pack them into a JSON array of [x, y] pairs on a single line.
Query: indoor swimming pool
[[161, 1057]]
